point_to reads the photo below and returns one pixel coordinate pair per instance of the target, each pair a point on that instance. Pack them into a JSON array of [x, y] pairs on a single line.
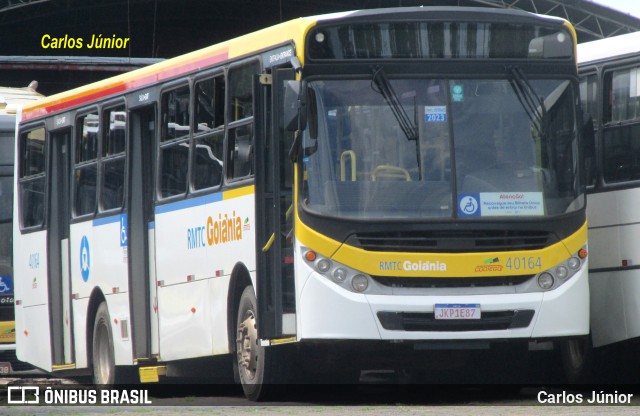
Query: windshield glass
[[423, 148]]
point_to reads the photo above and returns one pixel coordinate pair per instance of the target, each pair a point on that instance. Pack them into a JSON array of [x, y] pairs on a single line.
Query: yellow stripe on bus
[[238, 192]]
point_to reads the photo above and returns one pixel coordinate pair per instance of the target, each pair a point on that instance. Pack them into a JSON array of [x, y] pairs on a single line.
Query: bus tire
[[104, 368], [257, 370], [577, 359]]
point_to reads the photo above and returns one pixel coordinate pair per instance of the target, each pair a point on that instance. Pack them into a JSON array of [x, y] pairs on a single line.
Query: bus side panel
[[181, 267], [98, 262], [202, 241], [118, 305], [112, 273], [614, 255], [184, 326], [79, 310], [33, 340]]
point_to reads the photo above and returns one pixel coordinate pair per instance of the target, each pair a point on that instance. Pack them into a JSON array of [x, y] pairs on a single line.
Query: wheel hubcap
[[246, 343]]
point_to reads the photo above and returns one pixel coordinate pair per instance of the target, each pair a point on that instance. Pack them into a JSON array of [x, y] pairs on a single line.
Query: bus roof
[[174, 67], [10, 97], [616, 46], [262, 40]]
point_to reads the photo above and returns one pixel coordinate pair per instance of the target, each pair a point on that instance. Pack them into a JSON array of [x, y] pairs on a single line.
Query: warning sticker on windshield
[[435, 114], [500, 204]]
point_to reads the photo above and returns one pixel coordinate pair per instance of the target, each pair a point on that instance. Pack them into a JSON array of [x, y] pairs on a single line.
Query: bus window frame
[[229, 178], [162, 144], [605, 122], [20, 179], [102, 159], [202, 77], [597, 126], [75, 217]]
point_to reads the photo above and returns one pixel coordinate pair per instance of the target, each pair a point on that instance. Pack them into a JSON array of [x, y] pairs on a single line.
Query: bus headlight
[[323, 265], [347, 278], [339, 275], [360, 283], [556, 276], [545, 280], [562, 272]]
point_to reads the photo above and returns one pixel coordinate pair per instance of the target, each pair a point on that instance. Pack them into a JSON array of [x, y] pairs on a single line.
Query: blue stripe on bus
[[189, 203], [106, 220]]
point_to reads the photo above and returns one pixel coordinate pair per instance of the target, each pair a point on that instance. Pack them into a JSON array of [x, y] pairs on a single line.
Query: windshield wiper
[[386, 90], [533, 105]]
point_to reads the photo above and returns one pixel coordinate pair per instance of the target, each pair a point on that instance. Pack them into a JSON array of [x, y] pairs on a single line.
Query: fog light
[[562, 272], [323, 265], [360, 283], [574, 263], [545, 280], [339, 275]]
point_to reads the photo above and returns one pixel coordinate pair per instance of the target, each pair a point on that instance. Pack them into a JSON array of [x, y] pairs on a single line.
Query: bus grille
[[453, 241], [426, 322], [450, 282]]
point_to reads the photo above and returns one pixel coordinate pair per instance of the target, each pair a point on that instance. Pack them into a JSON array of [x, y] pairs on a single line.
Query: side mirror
[[295, 111]]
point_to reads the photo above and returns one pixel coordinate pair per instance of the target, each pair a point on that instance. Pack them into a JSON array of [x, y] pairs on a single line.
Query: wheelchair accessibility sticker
[[468, 205], [85, 258], [6, 285], [500, 204]]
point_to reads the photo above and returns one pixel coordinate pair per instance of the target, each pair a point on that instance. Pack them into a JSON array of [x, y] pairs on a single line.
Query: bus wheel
[[250, 356], [104, 368], [577, 357]]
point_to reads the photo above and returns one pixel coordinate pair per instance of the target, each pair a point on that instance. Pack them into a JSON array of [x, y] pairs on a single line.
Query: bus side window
[[32, 177], [86, 164], [113, 157], [621, 126], [208, 152], [240, 116], [174, 142]]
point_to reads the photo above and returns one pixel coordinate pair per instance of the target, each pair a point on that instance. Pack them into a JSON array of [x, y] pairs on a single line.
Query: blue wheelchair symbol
[[85, 258], [123, 231]]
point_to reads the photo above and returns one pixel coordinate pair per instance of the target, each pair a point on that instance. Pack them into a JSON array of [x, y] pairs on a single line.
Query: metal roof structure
[[167, 28]]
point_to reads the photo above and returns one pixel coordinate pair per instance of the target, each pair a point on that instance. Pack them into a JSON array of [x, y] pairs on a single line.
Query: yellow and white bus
[[610, 93], [361, 185], [10, 99]]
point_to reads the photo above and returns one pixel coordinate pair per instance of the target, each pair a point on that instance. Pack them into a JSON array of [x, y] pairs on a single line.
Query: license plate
[[457, 311], [5, 369]]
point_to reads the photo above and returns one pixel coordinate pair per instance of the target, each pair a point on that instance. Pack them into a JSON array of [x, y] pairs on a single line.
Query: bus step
[[152, 374]]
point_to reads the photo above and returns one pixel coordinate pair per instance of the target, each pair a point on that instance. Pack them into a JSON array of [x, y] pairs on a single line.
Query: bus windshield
[[477, 148]]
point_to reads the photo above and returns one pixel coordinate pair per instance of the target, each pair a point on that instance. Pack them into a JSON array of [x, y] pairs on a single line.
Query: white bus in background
[[610, 94], [10, 99]]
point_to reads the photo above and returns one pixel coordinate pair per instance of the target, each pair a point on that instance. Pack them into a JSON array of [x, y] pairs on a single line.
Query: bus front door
[[274, 199]]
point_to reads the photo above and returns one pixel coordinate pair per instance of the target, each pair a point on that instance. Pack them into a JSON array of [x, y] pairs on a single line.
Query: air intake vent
[[453, 241]]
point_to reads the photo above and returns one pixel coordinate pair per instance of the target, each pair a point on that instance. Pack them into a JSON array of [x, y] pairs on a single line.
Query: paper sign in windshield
[[435, 114], [486, 204]]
